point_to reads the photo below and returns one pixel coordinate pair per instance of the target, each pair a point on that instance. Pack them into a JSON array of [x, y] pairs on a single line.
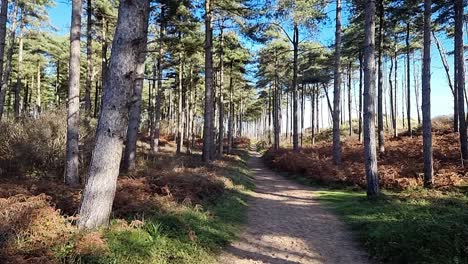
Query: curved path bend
[[286, 225]]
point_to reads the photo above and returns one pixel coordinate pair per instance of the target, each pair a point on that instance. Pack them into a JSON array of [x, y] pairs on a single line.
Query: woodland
[[131, 135]]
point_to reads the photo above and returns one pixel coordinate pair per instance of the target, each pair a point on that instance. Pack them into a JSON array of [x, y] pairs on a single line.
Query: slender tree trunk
[[370, 153], [103, 54], [38, 90], [396, 87], [392, 110], [19, 78], [26, 99], [9, 57], [221, 90], [302, 113], [134, 116], [96, 99], [408, 80], [350, 119], [416, 88], [312, 121], [89, 57], [443, 58], [3, 30], [72, 176], [380, 126], [460, 77], [426, 97], [361, 76], [231, 110], [337, 87], [318, 111], [208, 115], [180, 110], [276, 107], [159, 91], [128, 51], [57, 83]]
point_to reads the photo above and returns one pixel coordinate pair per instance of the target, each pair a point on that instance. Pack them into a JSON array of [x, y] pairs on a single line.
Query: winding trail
[[286, 225]]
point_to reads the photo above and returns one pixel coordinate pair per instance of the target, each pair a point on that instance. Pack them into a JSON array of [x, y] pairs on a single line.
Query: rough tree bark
[[370, 152], [337, 87], [128, 51], [72, 176], [208, 114], [294, 88], [426, 97]]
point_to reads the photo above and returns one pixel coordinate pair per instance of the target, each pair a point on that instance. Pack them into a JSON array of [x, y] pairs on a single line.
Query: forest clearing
[[233, 131]]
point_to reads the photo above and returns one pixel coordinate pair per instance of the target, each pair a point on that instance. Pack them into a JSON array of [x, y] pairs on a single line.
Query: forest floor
[[172, 209], [287, 225]]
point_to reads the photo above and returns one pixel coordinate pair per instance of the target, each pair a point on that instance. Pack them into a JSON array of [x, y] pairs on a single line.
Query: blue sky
[[442, 102]]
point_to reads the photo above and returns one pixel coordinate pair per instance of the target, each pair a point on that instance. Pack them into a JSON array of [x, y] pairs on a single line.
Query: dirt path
[[286, 225]]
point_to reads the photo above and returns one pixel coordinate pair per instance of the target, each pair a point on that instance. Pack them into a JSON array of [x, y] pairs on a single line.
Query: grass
[[190, 234], [417, 226]]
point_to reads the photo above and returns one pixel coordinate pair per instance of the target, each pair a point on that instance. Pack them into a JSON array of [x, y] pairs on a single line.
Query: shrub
[[36, 147]]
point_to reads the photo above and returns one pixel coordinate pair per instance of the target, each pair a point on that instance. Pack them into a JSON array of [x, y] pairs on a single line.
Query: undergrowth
[[172, 209]]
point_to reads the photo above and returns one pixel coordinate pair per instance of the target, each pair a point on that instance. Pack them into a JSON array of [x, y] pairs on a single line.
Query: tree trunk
[[443, 58], [72, 176], [460, 77], [396, 88], [392, 110], [159, 91], [3, 31], [380, 127], [96, 99], [426, 97], [408, 80], [9, 57], [57, 82], [416, 88], [361, 76], [231, 110], [180, 110], [26, 99], [38, 90], [350, 119], [19, 78], [208, 114], [103, 54], [128, 51], [221, 89], [312, 121], [337, 88], [89, 57], [370, 153], [276, 108], [134, 116]]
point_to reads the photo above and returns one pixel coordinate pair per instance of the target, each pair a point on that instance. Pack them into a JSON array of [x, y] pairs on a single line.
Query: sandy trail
[[286, 225]]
